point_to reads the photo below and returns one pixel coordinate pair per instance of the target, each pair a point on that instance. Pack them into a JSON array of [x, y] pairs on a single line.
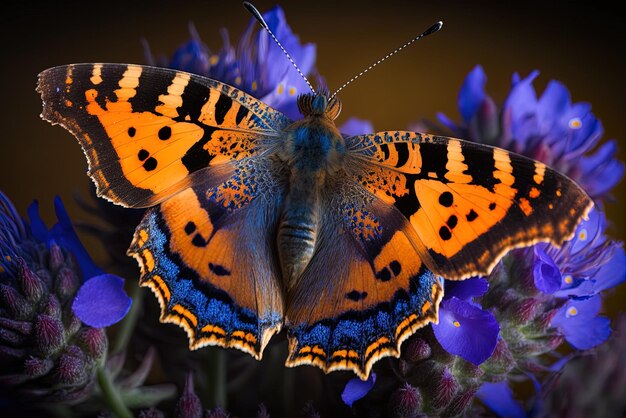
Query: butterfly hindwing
[[147, 131], [207, 254], [468, 203], [365, 290]]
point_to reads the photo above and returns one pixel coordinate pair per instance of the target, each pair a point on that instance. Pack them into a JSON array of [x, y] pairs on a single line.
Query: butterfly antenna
[[257, 15], [434, 28]]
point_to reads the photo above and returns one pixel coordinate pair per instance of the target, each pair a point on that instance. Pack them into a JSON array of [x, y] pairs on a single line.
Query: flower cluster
[[550, 129], [51, 319]]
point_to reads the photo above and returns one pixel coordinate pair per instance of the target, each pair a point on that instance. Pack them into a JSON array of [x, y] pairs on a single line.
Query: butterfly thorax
[[313, 151]]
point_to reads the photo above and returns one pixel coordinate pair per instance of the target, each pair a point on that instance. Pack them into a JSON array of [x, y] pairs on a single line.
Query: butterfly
[[259, 223]]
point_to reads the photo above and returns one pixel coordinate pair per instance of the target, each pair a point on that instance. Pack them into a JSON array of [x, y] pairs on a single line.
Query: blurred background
[[580, 45]]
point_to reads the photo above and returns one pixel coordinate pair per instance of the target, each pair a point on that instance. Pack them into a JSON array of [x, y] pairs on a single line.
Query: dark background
[[580, 45]]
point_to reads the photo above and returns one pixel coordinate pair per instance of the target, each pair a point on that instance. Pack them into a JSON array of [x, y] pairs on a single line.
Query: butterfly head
[[319, 105]]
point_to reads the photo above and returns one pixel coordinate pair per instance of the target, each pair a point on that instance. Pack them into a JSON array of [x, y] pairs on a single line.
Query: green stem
[[216, 374], [127, 326], [111, 396]]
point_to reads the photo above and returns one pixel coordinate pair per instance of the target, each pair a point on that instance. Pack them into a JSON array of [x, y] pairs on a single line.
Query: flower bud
[[32, 286], [501, 361], [94, 341], [405, 402], [71, 368], [189, 405], [11, 338], [524, 310], [16, 305], [22, 327], [417, 349], [66, 283], [467, 369], [445, 387], [52, 307], [219, 413], [73, 325], [56, 258], [485, 124], [459, 404], [45, 276], [151, 413], [49, 334], [36, 367], [262, 413]]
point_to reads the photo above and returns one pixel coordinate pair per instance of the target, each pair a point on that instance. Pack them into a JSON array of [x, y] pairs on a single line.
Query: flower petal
[[499, 398], [472, 93], [466, 330], [356, 126], [546, 273], [520, 109], [356, 389], [63, 234], [193, 56], [37, 225], [101, 301], [466, 289], [577, 320]]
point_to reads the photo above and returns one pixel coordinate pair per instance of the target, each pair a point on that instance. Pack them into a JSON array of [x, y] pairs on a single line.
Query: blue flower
[[580, 324], [101, 300], [549, 128], [356, 389], [578, 271], [464, 328], [499, 398], [257, 65], [546, 273], [356, 126], [589, 262]]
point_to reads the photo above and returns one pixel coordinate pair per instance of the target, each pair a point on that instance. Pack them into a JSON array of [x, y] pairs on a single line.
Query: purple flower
[[464, 328], [549, 128], [546, 273], [356, 389], [101, 300], [580, 324], [257, 65], [589, 262], [499, 398], [355, 126], [579, 271]]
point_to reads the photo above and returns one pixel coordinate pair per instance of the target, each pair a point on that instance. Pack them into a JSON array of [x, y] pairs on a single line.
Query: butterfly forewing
[[146, 131], [468, 203]]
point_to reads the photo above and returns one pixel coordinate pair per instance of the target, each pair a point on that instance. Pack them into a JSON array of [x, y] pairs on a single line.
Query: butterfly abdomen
[[313, 151]]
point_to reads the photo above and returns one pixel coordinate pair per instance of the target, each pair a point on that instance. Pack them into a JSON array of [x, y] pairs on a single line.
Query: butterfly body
[[257, 222], [313, 152]]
